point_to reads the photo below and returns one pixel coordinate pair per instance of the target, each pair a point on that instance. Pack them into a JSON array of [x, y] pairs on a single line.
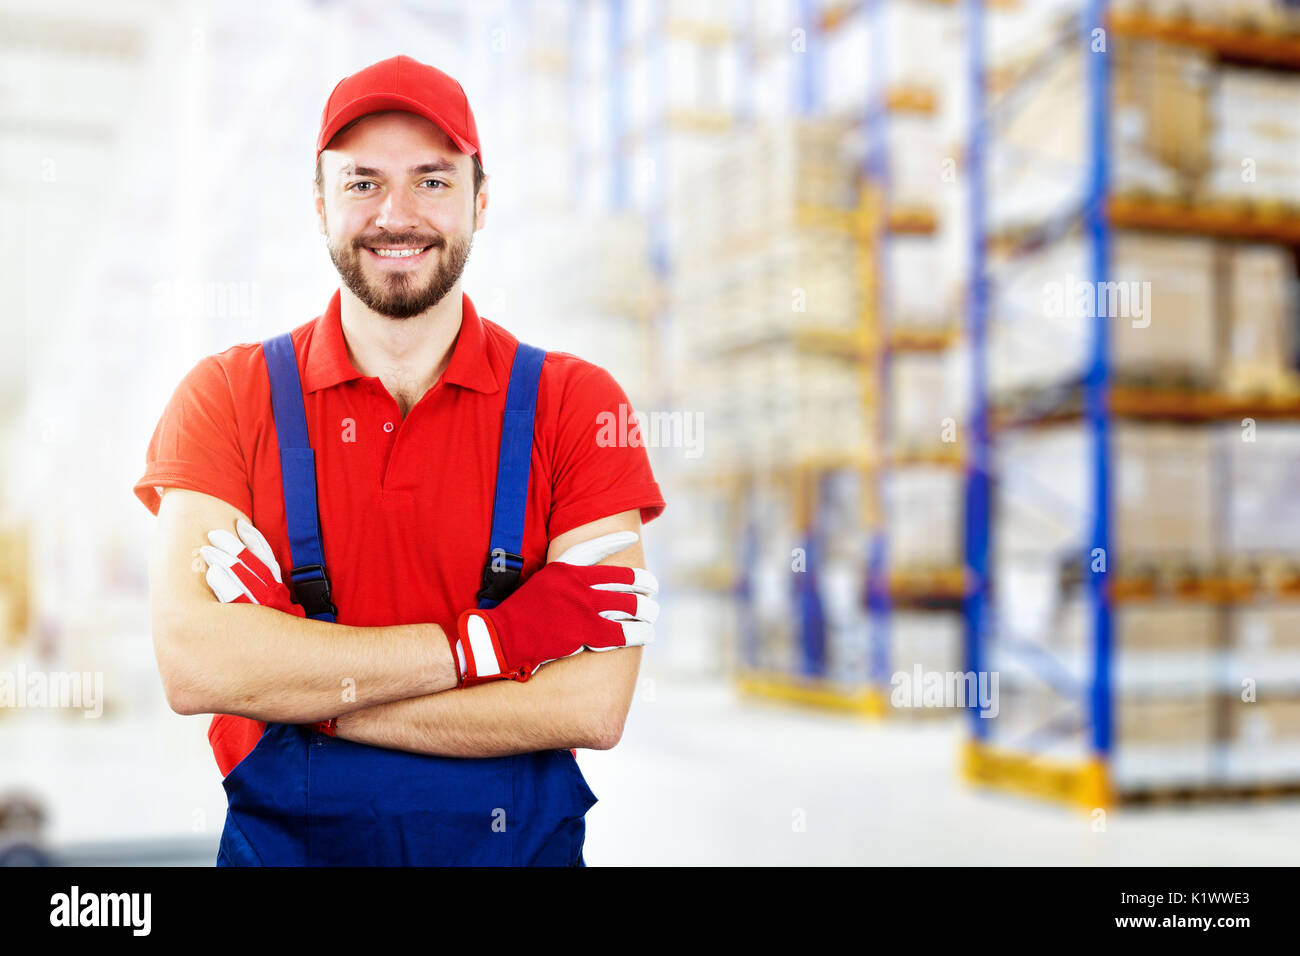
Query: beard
[[400, 295]]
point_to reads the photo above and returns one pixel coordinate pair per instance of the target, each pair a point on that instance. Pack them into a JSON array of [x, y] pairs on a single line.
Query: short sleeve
[[601, 464], [196, 443]]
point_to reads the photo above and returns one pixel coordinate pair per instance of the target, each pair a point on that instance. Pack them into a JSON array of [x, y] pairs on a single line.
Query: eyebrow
[[438, 166]]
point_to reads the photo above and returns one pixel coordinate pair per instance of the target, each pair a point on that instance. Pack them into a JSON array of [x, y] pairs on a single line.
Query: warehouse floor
[[700, 777], [703, 777]]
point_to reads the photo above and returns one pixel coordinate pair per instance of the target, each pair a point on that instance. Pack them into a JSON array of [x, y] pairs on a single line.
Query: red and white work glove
[[566, 607], [243, 570]]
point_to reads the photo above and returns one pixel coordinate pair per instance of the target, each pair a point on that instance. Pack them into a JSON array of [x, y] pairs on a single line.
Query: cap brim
[[378, 102]]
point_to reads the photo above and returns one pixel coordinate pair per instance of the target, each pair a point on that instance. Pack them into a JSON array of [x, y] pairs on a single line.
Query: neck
[[407, 355]]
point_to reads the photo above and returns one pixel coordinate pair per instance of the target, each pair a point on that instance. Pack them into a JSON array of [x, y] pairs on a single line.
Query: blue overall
[[303, 798]]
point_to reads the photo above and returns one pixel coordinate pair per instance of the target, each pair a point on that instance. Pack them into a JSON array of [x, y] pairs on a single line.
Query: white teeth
[[398, 253]]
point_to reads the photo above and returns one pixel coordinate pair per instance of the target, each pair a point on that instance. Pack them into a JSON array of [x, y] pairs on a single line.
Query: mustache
[[400, 239]]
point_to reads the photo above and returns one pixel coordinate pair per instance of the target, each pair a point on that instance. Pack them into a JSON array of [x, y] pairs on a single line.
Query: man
[[362, 714]]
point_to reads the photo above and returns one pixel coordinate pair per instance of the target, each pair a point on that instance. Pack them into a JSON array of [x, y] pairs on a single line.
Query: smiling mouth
[[398, 253]]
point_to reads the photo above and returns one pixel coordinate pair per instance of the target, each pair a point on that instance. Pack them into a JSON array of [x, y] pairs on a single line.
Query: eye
[[353, 186], [438, 181]]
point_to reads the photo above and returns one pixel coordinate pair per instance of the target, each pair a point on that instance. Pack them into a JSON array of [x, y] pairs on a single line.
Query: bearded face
[[400, 275], [399, 205]]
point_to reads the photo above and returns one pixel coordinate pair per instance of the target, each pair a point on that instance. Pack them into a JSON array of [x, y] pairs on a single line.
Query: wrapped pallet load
[[1159, 299], [1164, 497], [1160, 123], [1257, 316]]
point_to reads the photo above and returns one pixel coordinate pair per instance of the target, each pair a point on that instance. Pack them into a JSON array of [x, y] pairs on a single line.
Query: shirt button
[[388, 426]]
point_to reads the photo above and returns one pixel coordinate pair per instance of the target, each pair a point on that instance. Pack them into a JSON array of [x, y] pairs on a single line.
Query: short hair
[[478, 174]]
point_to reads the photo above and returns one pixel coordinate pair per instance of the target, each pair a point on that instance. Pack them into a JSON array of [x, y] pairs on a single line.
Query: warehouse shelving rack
[[799, 479], [1100, 401], [875, 222], [806, 479], [802, 480]]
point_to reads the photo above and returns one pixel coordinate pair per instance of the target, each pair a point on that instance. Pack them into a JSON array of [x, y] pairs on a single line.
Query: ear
[[319, 202], [481, 204]]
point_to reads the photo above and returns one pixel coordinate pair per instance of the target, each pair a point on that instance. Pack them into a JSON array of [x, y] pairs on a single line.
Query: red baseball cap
[[401, 83]]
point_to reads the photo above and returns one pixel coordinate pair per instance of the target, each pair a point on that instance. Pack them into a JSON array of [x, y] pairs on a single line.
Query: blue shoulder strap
[[310, 585], [505, 561], [504, 564]]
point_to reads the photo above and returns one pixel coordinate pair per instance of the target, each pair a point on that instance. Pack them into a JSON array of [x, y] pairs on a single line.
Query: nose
[[398, 212]]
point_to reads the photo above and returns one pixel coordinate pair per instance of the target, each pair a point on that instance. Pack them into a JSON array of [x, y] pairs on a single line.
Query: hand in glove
[[243, 570], [568, 606]]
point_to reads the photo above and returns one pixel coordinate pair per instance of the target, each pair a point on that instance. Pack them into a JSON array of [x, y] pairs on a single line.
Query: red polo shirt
[[405, 504]]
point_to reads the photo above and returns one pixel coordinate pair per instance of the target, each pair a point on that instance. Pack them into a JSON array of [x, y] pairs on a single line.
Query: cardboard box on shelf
[[1164, 497], [1170, 627], [1159, 130], [1166, 646], [927, 393], [1262, 519], [1179, 728], [1159, 297], [1160, 720], [1268, 720], [790, 406], [1262, 737], [1255, 123], [922, 284], [1257, 313], [923, 515], [1265, 626], [1263, 646], [1167, 330]]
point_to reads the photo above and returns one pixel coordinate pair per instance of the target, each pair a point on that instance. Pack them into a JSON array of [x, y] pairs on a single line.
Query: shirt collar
[[328, 363]]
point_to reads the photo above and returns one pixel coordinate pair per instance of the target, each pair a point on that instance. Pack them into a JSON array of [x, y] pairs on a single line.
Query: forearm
[[262, 663], [580, 701]]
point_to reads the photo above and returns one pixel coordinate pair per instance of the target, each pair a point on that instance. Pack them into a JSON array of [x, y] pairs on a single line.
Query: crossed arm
[[260, 663]]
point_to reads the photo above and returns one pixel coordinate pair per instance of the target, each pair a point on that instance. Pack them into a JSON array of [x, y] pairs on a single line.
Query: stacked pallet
[[924, 528], [1256, 123], [1202, 694], [1159, 130], [1184, 125], [1261, 691], [766, 305], [924, 286], [1190, 506], [1184, 311], [779, 286], [767, 298], [1256, 290], [756, 185], [1164, 493]]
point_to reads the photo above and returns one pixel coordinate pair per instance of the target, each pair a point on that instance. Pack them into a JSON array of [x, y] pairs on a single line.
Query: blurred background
[[966, 338]]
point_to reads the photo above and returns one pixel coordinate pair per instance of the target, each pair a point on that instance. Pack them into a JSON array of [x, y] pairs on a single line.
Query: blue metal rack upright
[[977, 468], [1087, 783], [888, 585]]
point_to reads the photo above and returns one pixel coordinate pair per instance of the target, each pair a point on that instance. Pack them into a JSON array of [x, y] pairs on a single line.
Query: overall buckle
[[498, 583], [314, 593]]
